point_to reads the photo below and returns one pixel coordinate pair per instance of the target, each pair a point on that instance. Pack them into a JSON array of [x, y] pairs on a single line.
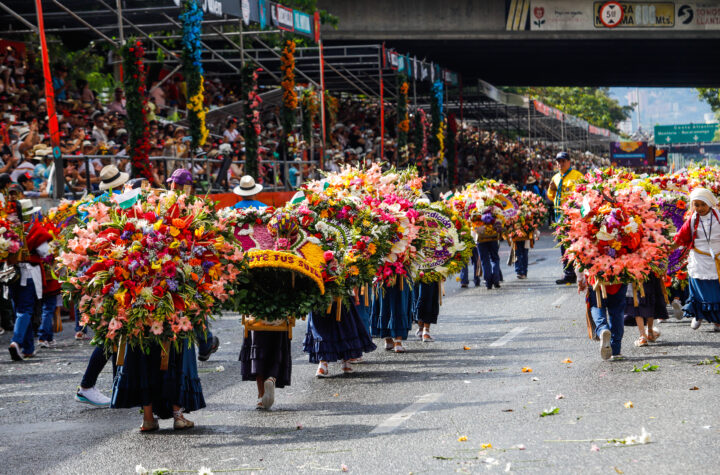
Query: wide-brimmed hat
[[247, 187], [531, 180], [28, 208], [181, 177], [111, 177]]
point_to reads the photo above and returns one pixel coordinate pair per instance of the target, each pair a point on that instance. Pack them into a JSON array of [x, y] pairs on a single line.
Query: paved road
[[439, 408]]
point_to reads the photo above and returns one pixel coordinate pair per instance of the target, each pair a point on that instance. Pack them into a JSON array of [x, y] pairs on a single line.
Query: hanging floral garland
[[452, 150], [191, 19], [332, 105], [310, 108], [136, 105], [402, 117], [252, 119], [421, 140], [436, 112], [290, 99]]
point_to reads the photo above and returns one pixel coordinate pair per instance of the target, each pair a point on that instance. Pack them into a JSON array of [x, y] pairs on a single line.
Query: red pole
[[59, 185], [322, 88], [382, 109]]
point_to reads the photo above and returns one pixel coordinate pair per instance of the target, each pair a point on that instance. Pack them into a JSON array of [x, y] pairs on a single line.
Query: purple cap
[[181, 177]]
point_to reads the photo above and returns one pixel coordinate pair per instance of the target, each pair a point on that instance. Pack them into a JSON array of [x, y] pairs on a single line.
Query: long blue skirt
[[427, 302], [140, 382], [392, 312], [704, 300], [329, 340]]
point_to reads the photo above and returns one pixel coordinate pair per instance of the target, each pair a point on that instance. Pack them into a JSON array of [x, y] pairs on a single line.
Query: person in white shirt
[[701, 234]]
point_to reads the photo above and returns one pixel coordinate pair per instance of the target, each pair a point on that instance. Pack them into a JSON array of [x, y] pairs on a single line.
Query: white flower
[[140, 470], [643, 438], [631, 227], [204, 471], [219, 369]]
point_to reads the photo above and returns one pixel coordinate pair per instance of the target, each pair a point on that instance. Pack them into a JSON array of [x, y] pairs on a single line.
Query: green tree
[[711, 96], [592, 104]]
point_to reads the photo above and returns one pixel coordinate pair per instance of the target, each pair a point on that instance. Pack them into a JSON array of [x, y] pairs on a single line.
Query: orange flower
[[681, 204]]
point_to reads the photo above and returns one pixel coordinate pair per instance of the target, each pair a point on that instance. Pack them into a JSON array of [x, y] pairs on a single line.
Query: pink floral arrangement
[[614, 236]]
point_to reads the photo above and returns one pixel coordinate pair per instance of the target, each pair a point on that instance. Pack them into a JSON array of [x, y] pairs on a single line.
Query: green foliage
[[711, 96], [645, 368], [592, 104], [550, 412]]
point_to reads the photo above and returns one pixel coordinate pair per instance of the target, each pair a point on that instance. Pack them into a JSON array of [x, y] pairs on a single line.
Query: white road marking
[[509, 336], [560, 300], [397, 419]]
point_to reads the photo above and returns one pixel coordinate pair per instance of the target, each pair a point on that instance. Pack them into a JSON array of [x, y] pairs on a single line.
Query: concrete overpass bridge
[[546, 42]]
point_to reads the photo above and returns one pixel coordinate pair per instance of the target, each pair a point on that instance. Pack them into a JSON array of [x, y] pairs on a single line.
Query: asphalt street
[[460, 404]]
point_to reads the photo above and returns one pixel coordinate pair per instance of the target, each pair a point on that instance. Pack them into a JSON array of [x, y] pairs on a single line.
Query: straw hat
[[111, 177], [247, 187], [28, 208]]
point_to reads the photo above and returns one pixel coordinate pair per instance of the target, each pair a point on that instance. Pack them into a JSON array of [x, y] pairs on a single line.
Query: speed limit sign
[[611, 14]]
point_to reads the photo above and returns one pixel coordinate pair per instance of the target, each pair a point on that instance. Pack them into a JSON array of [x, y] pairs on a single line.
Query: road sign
[[611, 14], [685, 133]]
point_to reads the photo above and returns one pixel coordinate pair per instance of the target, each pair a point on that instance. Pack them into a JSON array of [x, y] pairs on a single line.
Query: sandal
[[427, 338], [641, 341], [81, 336], [150, 426], [399, 348], [389, 345], [653, 335], [269, 395], [322, 371], [347, 367], [259, 406]]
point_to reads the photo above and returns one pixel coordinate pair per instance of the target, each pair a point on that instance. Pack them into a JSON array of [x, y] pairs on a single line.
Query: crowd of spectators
[[94, 134]]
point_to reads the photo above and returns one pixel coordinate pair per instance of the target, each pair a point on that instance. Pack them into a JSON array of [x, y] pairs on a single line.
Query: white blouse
[[701, 266]]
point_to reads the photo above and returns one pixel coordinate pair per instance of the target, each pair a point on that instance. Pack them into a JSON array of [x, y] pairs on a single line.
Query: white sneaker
[[605, 350], [695, 323], [47, 344], [269, 396], [677, 309], [92, 396], [617, 358]]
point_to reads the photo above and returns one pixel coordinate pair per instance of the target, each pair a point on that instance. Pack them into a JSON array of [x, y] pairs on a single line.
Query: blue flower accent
[[191, 20]]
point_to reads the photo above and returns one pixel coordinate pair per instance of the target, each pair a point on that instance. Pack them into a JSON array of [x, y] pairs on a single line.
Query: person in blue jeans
[[46, 337], [490, 262], [521, 259], [24, 296], [464, 274], [609, 319]]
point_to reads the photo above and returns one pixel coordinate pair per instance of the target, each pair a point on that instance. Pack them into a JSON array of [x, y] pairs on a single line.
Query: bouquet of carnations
[[614, 236], [152, 273], [446, 242], [10, 241], [532, 213]]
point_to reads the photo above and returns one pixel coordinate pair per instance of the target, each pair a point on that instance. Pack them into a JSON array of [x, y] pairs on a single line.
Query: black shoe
[[566, 280], [497, 285], [213, 349], [464, 286]]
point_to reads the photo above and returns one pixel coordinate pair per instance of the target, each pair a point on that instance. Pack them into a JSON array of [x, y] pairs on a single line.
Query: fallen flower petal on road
[[462, 438], [526, 369], [629, 405]]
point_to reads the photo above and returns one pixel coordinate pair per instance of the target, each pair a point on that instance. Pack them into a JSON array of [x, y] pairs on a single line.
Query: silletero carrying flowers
[[614, 236], [151, 273]]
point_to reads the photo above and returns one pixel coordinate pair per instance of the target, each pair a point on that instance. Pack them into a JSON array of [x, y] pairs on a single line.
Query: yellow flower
[[353, 270], [372, 249], [174, 232]]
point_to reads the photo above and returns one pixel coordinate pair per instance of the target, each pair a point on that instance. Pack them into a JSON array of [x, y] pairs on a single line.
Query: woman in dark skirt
[[650, 308], [329, 340], [141, 383], [392, 316], [427, 308], [267, 360]]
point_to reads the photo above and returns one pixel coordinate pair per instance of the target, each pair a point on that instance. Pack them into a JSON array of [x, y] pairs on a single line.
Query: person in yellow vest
[[561, 186]]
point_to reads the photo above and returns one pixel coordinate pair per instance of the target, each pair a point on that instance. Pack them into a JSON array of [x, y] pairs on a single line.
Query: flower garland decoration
[[615, 236], [447, 243], [403, 122], [310, 109], [251, 108], [152, 273], [332, 106], [136, 105], [191, 19], [290, 100], [452, 159], [436, 113], [421, 139]]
